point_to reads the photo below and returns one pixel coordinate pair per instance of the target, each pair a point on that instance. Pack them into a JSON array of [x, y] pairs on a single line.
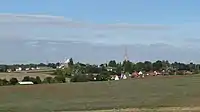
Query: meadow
[[43, 73], [21, 75], [131, 95]]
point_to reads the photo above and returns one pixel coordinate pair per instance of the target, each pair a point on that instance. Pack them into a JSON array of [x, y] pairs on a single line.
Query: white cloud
[[60, 21]]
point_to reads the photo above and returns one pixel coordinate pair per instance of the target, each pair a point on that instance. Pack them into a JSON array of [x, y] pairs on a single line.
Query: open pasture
[[21, 75], [151, 92]]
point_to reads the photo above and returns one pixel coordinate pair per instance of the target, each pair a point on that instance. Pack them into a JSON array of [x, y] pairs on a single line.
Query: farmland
[[21, 75], [151, 92]]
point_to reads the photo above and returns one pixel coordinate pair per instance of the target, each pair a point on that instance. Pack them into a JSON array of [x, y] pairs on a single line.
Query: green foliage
[[38, 80], [49, 80], [63, 72], [71, 62], [79, 78], [13, 81], [3, 68], [112, 63], [127, 66], [59, 79], [26, 78], [157, 65], [4, 82]]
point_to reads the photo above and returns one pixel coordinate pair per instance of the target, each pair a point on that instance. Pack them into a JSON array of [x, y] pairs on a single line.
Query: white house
[[124, 77], [140, 73], [116, 77], [19, 69], [9, 70], [64, 65], [27, 69]]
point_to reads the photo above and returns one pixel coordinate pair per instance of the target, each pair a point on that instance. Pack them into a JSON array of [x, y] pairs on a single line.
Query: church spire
[[125, 54]]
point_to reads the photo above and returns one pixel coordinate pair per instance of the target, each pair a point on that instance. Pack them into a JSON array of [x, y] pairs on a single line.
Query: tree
[[38, 80], [119, 69], [3, 68], [92, 69], [127, 65], [71, 62], [148, 66], [139, 66], [13, 81], [157, 65], [112, 63]]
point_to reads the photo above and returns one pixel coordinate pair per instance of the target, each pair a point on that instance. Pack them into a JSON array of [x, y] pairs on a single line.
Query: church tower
[[125, 54]]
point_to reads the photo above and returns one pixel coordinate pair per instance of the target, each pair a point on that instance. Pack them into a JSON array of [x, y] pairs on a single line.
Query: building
[[9, 70], [19, 69]]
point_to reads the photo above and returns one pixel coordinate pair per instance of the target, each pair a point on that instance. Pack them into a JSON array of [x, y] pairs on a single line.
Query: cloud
[[60, 21], [192, 40], [85, 52]]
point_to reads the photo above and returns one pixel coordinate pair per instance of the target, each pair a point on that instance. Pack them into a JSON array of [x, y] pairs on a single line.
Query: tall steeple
[[125, 54]]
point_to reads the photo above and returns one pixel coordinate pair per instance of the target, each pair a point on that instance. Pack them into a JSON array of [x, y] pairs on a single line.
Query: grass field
[[154, 92], [21, 75]]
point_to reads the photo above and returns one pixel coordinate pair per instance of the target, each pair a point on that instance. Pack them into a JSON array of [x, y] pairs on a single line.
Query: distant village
[[79, 72]]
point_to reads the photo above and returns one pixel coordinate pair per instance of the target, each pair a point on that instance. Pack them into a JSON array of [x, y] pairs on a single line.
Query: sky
[[49, 26]]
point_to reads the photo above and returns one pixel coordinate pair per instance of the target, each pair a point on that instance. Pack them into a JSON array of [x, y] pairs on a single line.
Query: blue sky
[[110, 22], [104, 11]]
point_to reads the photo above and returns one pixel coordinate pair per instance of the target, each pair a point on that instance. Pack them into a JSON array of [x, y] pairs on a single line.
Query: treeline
[[35, 80], [80, 72], [4, 68]]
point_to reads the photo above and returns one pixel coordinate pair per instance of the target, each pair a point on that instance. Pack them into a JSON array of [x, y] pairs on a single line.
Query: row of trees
[[153, 66], [127, 66], [79, 72], [36, 80]]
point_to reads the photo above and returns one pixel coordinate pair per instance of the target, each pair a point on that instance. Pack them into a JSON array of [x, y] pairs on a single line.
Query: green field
[[21, 75], [152, 92]]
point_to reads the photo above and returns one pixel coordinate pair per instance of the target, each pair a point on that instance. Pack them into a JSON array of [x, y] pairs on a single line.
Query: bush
[[38, 80], [79, 78], [60, 79], [99, 78], [32, 79], [4, 82], [49, 80], [91, 77], [26, 78], [13, 81]]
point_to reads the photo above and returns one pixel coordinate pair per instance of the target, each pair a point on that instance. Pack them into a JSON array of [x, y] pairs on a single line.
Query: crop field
[[169, 93]]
